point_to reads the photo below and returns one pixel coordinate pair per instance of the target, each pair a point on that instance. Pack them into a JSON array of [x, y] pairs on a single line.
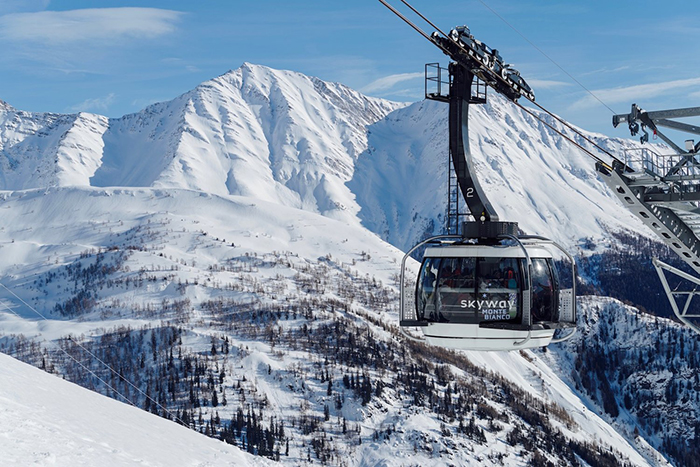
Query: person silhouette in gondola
[[511, 283]]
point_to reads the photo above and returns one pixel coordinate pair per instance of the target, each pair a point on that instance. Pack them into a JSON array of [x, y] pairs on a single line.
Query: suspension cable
[[423, 17], [569, 139], [114, 390], [546, 56], [417, 29], [115, 372], [572, 128]]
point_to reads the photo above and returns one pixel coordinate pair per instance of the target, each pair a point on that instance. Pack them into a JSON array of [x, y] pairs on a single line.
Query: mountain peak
[[5, 106], [248, 67]]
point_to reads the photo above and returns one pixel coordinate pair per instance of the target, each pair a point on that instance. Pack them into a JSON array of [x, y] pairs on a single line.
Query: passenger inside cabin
[[511, 283]]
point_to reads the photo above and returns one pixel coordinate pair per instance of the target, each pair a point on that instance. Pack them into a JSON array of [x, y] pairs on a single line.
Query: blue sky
[[116, 57]]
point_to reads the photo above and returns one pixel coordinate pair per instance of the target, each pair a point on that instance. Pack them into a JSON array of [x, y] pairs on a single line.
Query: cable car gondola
[[486, 288], [502, 295]]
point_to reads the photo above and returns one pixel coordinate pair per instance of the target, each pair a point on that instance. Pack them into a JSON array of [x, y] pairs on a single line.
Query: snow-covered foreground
[[47, 421]]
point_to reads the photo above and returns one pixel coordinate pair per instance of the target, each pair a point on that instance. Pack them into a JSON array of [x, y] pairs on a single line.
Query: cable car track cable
[[572, 128], [79, 363], [424, 18], [566, 137], [407, 21], [98, 359], [545, 55], [542, 108]]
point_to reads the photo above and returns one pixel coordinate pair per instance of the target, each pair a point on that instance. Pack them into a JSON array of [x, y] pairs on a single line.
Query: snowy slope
[[47, 421], [641, 374], [538, 375]]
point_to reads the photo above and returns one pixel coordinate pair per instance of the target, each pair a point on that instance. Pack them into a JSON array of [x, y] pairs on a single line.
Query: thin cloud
[[679, 26], [86, 25], [100, 104], [547, 84], [178, 62], [388, 82], [606, 70], [17, 6], [405, 95], [630, 93]]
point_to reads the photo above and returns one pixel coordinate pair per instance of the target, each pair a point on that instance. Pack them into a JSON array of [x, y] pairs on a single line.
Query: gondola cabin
[[491, 297]]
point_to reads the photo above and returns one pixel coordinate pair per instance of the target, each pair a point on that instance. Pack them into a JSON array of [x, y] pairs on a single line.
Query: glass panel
[[425, 289], [498, 289], [456, 285], [542, 291], [561, 279], [447, 290]]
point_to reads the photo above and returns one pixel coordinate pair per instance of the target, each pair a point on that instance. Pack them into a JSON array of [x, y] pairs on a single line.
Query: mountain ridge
[[275, 135], [305, 143]]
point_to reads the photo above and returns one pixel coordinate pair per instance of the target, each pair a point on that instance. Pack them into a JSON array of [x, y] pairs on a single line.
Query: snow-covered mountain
[[641, 372], [274, 135], [220, 306], [286, 138], [225, 252]]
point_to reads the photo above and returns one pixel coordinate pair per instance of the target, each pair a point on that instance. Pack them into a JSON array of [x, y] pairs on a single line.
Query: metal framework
[[475, 67], [685, 316], [663, 190], [437, 88]]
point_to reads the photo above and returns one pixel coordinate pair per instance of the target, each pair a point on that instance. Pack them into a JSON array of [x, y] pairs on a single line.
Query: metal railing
[[437, 82], [659, 165]]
